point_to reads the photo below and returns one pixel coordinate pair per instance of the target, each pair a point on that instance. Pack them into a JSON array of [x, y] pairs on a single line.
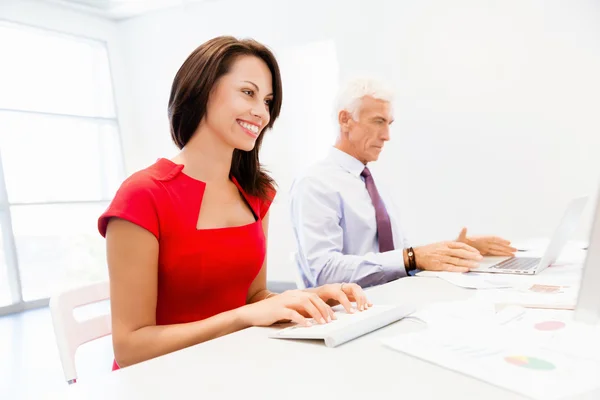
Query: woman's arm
[[258, 289], [133, 268], [332, 294]]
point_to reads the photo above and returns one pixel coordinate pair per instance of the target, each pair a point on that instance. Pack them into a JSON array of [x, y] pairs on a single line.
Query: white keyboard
[[343, 321]]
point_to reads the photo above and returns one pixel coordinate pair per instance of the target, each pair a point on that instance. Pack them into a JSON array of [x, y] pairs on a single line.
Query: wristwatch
[[412, 261]]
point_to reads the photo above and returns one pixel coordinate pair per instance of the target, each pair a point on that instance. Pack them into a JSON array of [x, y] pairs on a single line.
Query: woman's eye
[[248, 92], [268, 102]]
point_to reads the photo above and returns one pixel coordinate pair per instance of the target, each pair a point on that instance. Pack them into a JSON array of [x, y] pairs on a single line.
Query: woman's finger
[[324, 309], [312, 310], [295, 316], [345, 302], [359, 296]]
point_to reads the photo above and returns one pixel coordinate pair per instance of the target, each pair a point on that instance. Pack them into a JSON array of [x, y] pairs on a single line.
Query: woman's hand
[[344, 294], [292, 305]]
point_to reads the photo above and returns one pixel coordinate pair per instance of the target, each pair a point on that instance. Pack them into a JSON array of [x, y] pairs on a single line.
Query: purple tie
[[384, 226]]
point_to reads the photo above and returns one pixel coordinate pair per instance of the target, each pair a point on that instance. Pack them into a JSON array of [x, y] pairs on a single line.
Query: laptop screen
[[588, 302]]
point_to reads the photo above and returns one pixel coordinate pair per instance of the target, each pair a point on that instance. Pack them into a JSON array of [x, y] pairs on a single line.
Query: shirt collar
[[346, 161]]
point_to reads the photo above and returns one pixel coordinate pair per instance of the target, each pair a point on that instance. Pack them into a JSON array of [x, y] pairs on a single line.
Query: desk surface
[[249, 365]]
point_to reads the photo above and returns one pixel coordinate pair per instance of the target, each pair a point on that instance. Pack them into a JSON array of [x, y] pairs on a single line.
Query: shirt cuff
[[392, 264]]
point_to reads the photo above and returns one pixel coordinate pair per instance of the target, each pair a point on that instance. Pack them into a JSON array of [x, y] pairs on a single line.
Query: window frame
[[6, 223]]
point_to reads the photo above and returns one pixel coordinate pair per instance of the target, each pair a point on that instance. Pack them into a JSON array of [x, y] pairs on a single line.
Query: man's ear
[[344, 118]]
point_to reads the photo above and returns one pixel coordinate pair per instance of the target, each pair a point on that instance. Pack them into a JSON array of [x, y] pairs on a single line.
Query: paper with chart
[[557, 331], [564, 275], [469, 280], [533, 295], [497, 356], [465, 313]]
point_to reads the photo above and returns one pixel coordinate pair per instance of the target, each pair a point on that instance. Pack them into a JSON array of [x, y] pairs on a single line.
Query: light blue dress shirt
[[335, 229]]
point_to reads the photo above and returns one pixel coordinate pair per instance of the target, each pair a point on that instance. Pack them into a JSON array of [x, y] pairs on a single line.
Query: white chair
[[71, 333]]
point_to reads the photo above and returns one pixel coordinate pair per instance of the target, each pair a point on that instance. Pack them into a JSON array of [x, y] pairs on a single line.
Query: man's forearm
[[368, 270]]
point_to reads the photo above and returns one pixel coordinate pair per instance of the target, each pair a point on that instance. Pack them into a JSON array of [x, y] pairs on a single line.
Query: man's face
[[368, 131]]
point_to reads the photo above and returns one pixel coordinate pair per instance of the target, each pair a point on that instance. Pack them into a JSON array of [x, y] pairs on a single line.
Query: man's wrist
[[410, 262]]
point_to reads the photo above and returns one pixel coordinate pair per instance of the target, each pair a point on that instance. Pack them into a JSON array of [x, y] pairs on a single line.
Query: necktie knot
[[365, 173]]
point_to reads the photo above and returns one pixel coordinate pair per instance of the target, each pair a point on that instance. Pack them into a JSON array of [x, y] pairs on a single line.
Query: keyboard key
[[518, 263]]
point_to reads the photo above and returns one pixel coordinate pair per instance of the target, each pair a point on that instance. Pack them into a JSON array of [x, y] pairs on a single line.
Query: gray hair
[[351, 94]]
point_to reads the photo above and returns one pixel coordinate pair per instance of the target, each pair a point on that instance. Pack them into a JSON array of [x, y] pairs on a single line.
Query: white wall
[[56, 18], [497, 115]]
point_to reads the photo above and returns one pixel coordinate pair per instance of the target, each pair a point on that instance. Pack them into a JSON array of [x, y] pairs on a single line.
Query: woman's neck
[[206, 158]]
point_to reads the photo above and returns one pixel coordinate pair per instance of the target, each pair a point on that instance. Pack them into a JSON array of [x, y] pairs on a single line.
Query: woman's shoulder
[[153, 176], [141, 196]]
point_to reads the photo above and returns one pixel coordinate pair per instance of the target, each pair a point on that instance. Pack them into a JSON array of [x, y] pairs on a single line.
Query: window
[[60, 161]]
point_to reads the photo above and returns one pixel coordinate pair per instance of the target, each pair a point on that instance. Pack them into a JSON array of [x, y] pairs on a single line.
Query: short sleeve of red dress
[[136, 201]]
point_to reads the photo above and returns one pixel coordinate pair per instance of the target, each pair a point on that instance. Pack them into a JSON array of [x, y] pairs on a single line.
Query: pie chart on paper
[[533, 363], [550, 325]]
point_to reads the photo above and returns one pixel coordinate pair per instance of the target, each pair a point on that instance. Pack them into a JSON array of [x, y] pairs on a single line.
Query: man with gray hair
[[346, 228]]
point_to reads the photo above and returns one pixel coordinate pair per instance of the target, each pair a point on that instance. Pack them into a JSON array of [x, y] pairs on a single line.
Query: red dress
[[203, 272]]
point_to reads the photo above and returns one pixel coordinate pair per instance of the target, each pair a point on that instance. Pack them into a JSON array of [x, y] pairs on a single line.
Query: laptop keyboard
[[518, 263]]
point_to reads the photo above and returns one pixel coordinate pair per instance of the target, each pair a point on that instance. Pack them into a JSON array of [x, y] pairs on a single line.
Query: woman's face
[[238, 106]]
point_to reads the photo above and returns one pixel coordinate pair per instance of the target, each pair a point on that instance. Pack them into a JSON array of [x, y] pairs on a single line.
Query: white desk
[[249, 365]]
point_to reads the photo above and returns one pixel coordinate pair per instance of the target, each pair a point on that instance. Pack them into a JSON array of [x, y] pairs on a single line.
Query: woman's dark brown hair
[[190, 93]]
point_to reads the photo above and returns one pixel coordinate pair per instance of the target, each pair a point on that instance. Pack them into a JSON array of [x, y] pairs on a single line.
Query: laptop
[[533, 265], [588, 302]]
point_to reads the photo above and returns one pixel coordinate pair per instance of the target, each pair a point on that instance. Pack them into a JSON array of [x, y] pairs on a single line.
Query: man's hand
[[447, 256], [487, 245]]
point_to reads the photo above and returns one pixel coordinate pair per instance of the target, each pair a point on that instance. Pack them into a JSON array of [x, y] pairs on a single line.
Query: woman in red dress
[[186, 238]]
